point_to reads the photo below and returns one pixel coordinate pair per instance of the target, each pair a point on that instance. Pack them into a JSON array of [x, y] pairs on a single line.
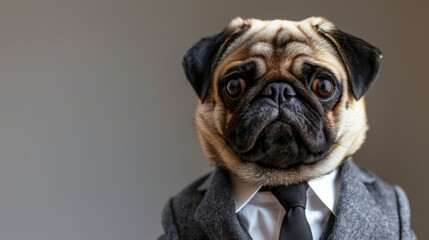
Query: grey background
[[96, 114]]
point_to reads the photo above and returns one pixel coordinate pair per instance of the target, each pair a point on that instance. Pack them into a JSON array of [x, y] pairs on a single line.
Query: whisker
[[349, 148], [223, 148]]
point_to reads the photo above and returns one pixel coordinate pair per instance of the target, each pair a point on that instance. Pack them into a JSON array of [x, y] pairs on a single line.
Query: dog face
[[280, 101]]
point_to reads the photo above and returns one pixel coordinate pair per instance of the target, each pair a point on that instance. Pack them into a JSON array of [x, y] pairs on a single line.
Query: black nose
[[278, 91]]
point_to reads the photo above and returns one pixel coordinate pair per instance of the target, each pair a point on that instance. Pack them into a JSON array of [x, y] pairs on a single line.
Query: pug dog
[[281, 103]]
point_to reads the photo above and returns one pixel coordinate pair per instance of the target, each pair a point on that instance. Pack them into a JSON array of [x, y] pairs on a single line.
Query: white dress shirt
[[262, 214]]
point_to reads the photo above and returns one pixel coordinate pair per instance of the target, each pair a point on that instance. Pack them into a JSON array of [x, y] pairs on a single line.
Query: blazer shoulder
[[191, 195], [393, 202], [380, 190], [178, 214], [383, 193], [405, 214]]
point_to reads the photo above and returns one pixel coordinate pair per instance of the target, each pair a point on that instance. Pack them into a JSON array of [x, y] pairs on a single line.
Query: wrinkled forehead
[[281, 47]]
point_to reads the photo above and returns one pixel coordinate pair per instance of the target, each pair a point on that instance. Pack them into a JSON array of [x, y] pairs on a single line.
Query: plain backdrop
[[96, 114]]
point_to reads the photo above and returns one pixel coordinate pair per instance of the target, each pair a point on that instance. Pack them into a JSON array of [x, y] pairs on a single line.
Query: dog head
[[281, 102]]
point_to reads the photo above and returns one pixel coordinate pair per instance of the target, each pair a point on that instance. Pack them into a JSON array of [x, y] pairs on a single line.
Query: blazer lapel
[[216, 213], [357, 211]]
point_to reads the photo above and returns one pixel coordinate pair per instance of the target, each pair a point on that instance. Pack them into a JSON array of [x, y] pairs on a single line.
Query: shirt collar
[[326, 188]]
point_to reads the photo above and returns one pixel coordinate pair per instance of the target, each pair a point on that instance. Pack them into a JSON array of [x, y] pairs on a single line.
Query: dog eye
[[323, 88], [235, 87]]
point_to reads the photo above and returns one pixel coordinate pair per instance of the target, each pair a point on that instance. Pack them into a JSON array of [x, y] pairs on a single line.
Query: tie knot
[[291, 196]]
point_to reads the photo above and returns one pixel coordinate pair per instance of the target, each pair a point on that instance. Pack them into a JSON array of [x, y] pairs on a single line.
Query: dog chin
[[279, 146]]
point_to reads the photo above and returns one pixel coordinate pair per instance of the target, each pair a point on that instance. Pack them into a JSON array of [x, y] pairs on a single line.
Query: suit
[[367, 208]]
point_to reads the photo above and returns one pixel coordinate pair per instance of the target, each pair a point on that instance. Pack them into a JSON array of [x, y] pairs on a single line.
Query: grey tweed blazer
[[367, 208]]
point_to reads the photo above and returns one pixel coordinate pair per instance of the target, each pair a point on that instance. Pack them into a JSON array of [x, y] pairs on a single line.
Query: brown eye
[[323, 88], [235, 87]]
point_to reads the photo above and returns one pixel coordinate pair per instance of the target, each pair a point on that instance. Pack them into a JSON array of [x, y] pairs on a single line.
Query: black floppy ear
[[200, 61], [363, 61]]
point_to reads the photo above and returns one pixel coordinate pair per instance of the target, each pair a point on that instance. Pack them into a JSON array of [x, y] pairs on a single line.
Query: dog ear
[[199, 62], [363, 61]]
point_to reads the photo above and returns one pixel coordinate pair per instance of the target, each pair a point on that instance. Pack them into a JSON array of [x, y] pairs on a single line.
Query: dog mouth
[[279, 136], [279, 132], [276, 145], [280, 145]]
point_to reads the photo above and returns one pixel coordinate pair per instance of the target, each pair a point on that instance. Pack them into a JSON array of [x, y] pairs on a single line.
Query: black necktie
[[294, 224]]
